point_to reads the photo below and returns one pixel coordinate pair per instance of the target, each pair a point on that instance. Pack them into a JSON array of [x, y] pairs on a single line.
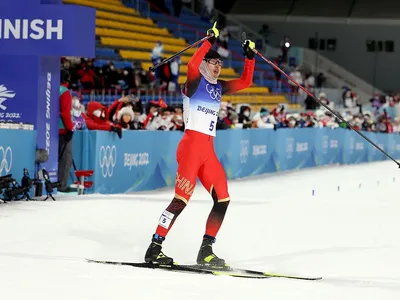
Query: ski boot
[[154, 254], [206, 256]]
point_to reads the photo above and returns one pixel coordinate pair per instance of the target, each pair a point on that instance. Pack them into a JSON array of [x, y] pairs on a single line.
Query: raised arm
[[246, 80], [193, 72]]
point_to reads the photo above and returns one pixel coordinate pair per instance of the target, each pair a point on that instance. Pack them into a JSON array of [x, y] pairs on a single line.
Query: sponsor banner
[[17, 151], [146, 160]]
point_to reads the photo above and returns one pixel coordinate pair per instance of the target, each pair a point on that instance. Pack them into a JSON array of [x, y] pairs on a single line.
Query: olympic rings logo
[[215, 93], [5, 160], [244, 151], [107, 160]]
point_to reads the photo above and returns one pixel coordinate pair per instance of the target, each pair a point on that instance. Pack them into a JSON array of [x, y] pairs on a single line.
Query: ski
[[181, 268], [199, 269], [253, 272]]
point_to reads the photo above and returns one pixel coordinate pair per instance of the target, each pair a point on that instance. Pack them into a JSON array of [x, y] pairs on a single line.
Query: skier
[[195, 153]]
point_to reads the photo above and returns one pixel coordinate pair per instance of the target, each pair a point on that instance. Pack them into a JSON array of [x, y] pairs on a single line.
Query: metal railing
[[108, 96]]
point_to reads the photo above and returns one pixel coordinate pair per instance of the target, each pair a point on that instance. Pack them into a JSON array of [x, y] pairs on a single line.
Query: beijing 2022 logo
[[107, 160], [5, 95]]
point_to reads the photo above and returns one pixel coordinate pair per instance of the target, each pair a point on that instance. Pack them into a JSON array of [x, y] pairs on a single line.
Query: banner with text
[[146, 160], [33, 36]]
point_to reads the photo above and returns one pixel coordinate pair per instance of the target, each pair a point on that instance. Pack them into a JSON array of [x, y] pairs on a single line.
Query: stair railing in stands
[[107, 96], [144, 7]]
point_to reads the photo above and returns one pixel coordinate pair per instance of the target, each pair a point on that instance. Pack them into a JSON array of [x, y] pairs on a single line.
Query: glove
[[117, 130], [215, 32], [68, 135], [248, 47]]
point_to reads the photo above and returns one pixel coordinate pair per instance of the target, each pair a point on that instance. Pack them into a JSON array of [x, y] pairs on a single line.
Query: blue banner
[[47, 110], [30, 28], [33, 37], [17, 151], [328, 146], [146, 160]]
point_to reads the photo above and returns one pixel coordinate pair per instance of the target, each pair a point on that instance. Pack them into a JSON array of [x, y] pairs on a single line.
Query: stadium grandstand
[[126, 33], [317, 8]]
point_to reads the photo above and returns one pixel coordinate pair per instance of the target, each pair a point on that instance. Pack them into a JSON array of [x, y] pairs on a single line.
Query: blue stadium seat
[[195, 22], [105, 52], [119, 64]]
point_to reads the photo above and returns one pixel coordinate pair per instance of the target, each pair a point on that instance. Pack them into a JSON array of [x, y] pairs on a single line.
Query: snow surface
[[348, 235]]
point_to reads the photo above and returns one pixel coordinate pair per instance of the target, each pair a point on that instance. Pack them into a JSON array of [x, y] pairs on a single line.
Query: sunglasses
[[214, 61]]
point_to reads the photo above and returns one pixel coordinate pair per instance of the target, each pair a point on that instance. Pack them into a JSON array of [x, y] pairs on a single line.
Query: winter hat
[[263, 112], [204, 70], [212, 54], [125, 111]]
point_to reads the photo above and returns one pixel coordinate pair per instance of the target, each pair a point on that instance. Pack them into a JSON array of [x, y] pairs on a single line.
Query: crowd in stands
[[129, 113], [86, 76]]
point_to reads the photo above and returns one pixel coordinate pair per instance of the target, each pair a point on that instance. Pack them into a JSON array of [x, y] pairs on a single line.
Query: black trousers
[[64, 161]]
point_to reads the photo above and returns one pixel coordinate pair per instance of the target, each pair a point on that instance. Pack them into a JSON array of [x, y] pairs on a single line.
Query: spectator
[[244, 116], [87, 75], [71, 68], [375, 101], [297, 76], [78, 118], [127, 79], [125, 117], [177, 119], [110, 75], [222, 118], [174, 67], [162, 121], [152, 109], [261, 120], [309, 82], [285, 46], [165, 76], [156, 57], [383, 124], [323, 99], [310, 103], [138, 119], [396, 125], [234, 119], [144, 79], [65, 132], [368, 124], [97, 119]]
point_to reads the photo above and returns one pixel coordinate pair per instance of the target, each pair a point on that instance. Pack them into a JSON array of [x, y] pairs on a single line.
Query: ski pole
[[180, 52], [324, 105]]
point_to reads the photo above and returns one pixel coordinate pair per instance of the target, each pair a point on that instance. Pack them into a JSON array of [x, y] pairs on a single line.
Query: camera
[[49, 186], [12, 191]]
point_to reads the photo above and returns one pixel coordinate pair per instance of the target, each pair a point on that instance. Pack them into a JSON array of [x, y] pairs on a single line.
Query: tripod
[[49, 195], [27, 197]]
